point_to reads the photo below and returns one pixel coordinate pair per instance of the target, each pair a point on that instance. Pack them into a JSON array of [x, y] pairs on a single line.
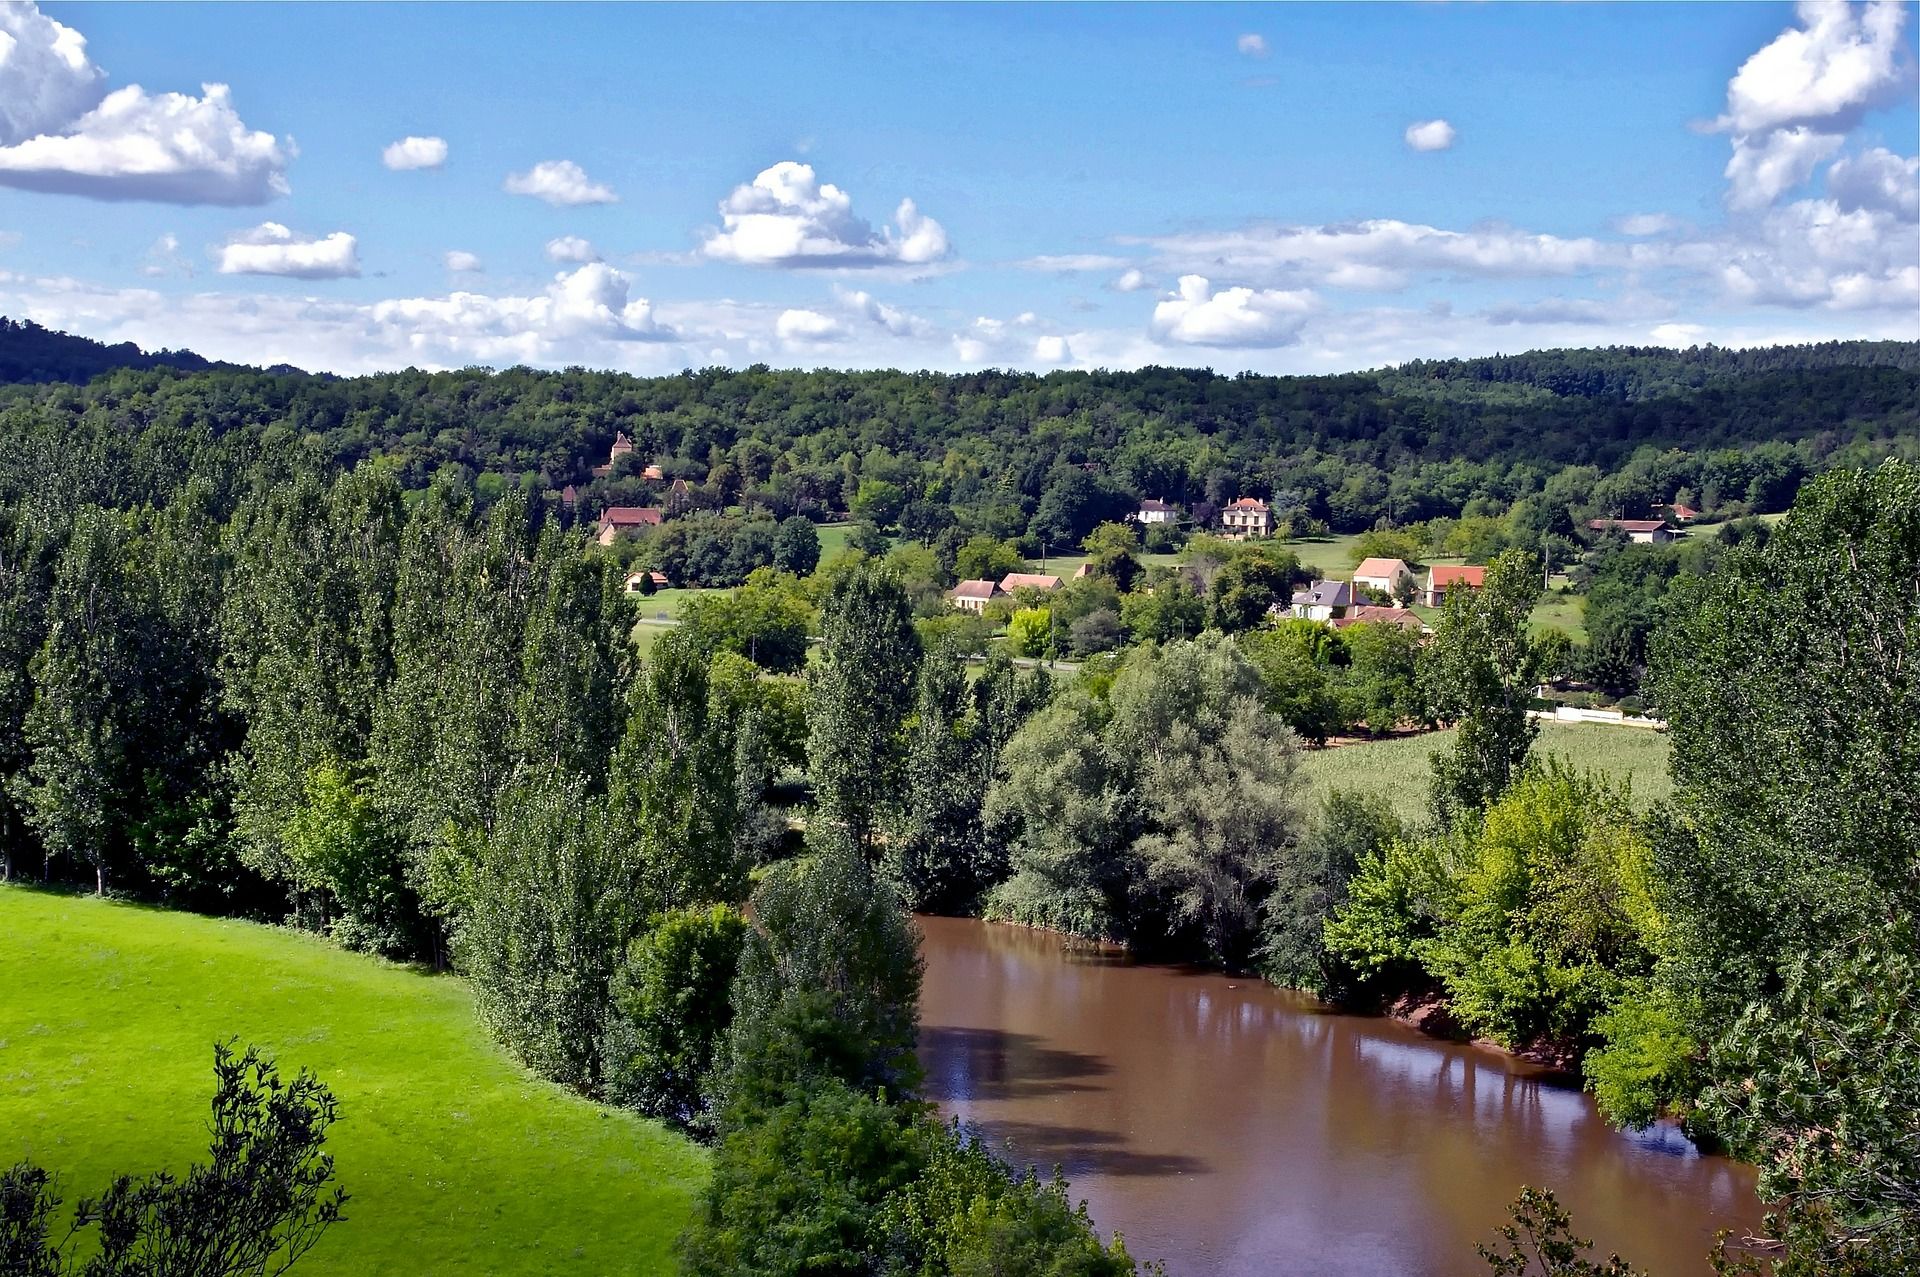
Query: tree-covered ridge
[[30, 353], [1425, 440]]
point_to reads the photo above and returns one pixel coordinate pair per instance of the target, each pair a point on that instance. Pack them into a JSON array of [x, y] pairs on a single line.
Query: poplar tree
[[861, 691]]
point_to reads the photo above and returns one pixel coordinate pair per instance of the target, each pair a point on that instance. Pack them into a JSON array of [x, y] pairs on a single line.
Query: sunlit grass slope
[[457, 1160], [1398, 769]]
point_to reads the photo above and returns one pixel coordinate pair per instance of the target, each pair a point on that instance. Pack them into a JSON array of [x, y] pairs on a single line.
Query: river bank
[[1234, 1129]]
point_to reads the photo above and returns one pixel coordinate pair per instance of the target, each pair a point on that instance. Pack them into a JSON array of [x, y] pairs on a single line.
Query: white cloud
[[1052, 350], [415, 153], [169, 148], [561, 183], [1764, 168], [1195, 315], [50, 81], [1838, 64], [1253, 45], [1684, 335], [581, 311], [892, 318], [1131, 281], [1878, 179], [1790, 104], [1430, 135], [62, 133], [571, 248], [808, 328], [464, 262], [1641, 224], [787, 217], [1377, 254], [272, 249], [1069, 263]]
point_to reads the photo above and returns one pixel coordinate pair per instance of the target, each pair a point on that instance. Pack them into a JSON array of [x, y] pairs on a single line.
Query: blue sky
[[1279, 188]]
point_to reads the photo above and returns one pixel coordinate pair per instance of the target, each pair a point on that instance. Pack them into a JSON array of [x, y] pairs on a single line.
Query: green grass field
[[456, 1159], [1398, 768]]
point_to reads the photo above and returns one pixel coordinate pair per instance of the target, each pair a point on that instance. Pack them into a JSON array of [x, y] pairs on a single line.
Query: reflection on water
[[1230, 1128]]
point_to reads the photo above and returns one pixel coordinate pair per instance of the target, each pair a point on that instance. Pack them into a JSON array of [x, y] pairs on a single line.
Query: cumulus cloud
[[50, 81], [580, 310], [1685, 335], [272, 249], [464, 262], [1430, 135], [1052, 350], [1878, 179], [60, 135], [415, 153], [571, 248], [561, 183], [1131, 281], [1253, 45], [787, 217], [892, 318], [808, 328], [1196, 315], [1790, 104]]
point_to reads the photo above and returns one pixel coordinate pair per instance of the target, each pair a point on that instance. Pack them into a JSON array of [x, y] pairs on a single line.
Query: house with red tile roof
[[622, 519], [973, 596], [1442, 577]]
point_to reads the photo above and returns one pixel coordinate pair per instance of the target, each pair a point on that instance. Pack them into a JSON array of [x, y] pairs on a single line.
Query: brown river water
[[1227, 1128]]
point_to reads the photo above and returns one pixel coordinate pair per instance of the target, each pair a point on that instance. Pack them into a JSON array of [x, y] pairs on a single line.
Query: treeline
[[1047, 458]]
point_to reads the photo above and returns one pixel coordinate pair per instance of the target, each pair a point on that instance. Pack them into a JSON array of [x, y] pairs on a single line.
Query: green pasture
[[456, 1159], [1397, 768]]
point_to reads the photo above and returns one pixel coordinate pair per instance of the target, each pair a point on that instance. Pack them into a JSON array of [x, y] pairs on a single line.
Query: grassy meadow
[[1397, 768], [456, 1159]]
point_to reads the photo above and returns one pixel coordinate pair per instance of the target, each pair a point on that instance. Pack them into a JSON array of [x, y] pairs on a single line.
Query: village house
[[1322, 600], [635, 579], [1639, 531], [1366, 614], [1028, 580], [1679, 513], [621, 519], [973, 596], [1380, 574], [1247, 517], [652, 472], [1152, 511], [1451, 576]]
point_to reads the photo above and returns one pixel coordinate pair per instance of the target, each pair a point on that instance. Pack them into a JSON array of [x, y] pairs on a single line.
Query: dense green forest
[[333, 652]]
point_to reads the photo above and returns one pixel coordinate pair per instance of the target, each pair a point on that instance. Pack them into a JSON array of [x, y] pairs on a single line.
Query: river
[[1231, 1129]]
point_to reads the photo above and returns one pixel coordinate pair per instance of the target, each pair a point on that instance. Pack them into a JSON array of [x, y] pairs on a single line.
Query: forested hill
[[1423, 440], [30, 353]]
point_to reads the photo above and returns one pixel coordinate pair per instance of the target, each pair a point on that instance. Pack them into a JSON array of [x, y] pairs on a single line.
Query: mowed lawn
[[1398, 769], [456, 1159]]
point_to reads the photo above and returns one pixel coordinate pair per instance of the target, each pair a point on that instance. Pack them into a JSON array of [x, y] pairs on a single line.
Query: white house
[[1322, 600], [973, 596], [1380, 574], [1152, 512], [1247, 517]]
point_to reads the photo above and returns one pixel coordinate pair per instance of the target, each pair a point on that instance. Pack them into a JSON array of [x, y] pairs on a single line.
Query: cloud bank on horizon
[[1805, 227]]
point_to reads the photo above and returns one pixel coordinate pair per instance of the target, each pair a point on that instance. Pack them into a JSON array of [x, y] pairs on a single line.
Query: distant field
[[1332, 557], [1565, 612], [455, 1158], [1398, 768], [665, 604]]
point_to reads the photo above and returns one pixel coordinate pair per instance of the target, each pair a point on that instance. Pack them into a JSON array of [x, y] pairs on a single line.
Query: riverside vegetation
[[400, 708]]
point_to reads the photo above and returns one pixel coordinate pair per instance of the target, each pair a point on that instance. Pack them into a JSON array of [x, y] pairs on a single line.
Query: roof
[[1034, 580], [976, 589], [1246, 503], [1380, 616], [1627, 525], [630, 516], [1384, 569], [1445, 574], [621, 444], [1153, 506], [1683, 511], [652, 472], [1082, 572], [1324, 594]]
